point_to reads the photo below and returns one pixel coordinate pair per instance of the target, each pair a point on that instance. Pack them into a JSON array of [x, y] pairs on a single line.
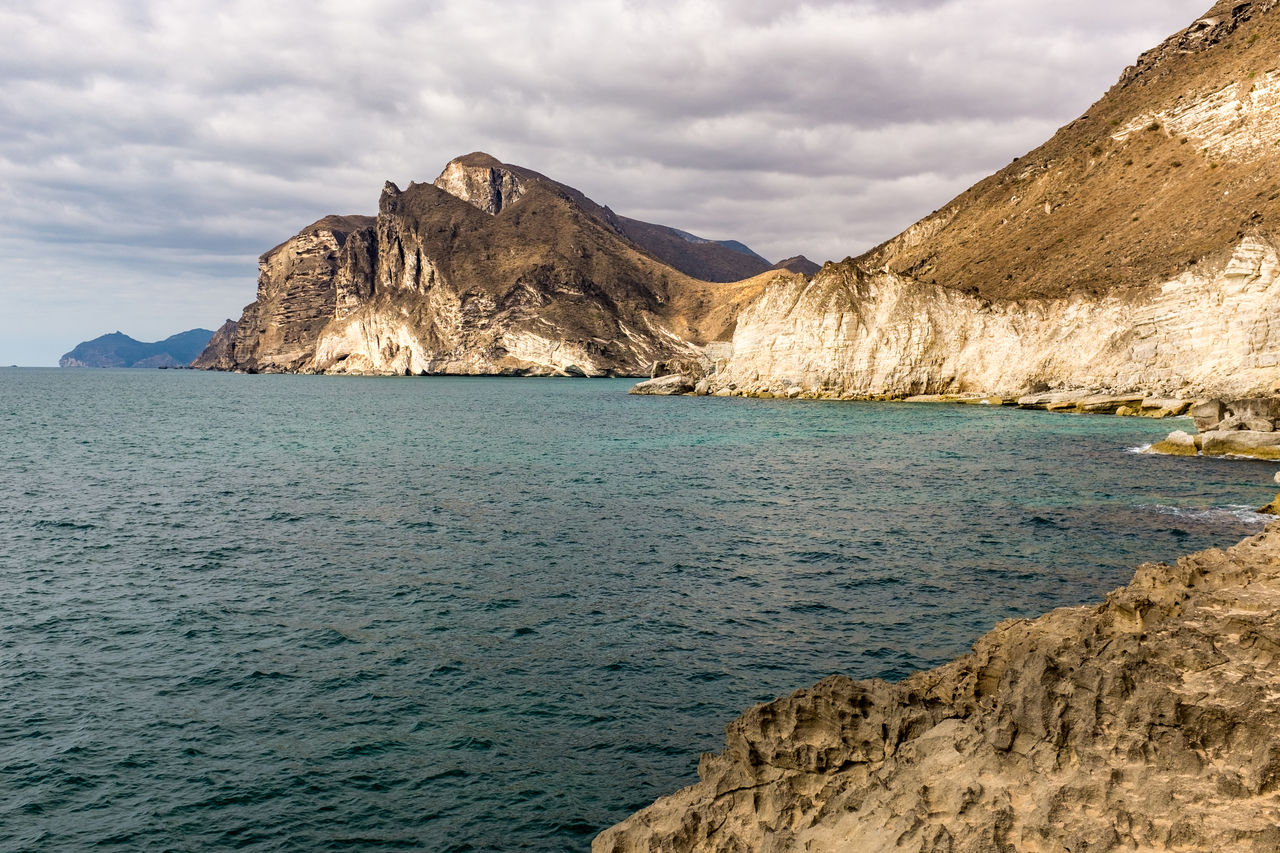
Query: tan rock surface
[[1148, 722], [1214, 330]]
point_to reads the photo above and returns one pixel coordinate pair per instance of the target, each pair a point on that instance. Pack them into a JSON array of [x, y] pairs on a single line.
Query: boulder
[[671, 385], [1165, 406], [1050, 400], [1256, 424], [1178, 443], [1229, 423], [1208, 414]]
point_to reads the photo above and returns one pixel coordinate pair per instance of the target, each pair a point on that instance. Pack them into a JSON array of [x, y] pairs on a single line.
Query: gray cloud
[[149, 151]]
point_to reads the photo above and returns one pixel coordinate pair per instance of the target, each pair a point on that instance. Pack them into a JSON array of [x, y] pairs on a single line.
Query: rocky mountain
[[1136, 250], [1148, 722], [119, 350], [490, 269]]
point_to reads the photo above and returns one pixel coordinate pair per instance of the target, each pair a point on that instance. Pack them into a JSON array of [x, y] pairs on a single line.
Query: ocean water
[[294, 613]]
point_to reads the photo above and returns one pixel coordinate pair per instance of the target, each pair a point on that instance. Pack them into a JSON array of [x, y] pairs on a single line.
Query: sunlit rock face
[[481, 180], [296, 300], [1213, 330]]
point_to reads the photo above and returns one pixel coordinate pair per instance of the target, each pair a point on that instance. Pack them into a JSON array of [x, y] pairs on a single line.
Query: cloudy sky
[[150, 151]]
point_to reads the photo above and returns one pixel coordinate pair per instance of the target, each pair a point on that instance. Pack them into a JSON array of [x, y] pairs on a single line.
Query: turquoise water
[[317, 613]]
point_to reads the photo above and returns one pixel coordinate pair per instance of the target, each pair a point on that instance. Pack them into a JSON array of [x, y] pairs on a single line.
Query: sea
[[303, 613]]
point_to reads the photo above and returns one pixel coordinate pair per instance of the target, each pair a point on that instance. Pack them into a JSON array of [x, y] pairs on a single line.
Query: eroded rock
[[1148, 722]]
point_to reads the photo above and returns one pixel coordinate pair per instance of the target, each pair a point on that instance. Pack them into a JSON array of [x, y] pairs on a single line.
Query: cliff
[[1150, 721], [217, 352], [119, 350], [490, 269], [1134, 251]]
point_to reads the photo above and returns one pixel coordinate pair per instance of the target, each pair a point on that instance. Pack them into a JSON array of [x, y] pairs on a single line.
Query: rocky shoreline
[[1077, 401], [1149, 721]]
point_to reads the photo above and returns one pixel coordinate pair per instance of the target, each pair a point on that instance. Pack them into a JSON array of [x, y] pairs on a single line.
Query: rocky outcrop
[[665, 386], [483, 181], [1148, 722], [1089, 403], [442, 286], [491, 269], [1245, 427], [1215, 329], [119, 350], [1135, 251]]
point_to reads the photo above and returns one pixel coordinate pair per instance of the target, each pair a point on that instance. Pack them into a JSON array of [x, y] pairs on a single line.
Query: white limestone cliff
[[848, 332]]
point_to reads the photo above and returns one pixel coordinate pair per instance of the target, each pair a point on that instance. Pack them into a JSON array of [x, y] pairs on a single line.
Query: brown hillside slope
[[1176, 162]]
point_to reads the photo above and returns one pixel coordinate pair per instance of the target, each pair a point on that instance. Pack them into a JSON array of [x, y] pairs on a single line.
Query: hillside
[[1135, 251], [1176, 163]]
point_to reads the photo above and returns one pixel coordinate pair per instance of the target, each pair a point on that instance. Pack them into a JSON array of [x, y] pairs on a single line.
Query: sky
[[151, 151]]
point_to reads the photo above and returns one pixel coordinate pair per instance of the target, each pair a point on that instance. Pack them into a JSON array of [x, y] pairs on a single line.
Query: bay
[[287, 613]]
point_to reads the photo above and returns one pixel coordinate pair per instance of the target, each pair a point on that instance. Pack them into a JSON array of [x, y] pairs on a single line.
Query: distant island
[[119, 350]]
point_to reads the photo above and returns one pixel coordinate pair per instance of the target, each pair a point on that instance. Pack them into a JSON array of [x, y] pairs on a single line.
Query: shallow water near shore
[[284, 613]]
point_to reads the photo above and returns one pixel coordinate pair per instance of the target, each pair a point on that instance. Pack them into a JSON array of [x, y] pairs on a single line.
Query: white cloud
[[149, 151]]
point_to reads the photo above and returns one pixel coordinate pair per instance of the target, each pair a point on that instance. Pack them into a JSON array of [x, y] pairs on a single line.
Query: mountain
[[120, 350], [798, 264], [709, 260], [490, 269], [1136, 250]]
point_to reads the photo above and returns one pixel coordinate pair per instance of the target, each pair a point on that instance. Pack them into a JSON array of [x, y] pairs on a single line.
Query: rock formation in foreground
[[1149, 722], [119, 350], [491, 269], [1137, 251]]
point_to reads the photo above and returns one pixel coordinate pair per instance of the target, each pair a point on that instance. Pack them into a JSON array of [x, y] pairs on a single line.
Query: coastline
[[1146, 721]]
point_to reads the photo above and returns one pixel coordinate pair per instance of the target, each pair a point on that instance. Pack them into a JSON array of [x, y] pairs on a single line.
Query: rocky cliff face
[[492, 269], [1149, 722], [296, 299], [1213, 330], [1134, 251]]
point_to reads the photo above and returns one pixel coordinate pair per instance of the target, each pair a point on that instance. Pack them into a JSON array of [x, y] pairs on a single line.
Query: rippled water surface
[[319, 613]]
